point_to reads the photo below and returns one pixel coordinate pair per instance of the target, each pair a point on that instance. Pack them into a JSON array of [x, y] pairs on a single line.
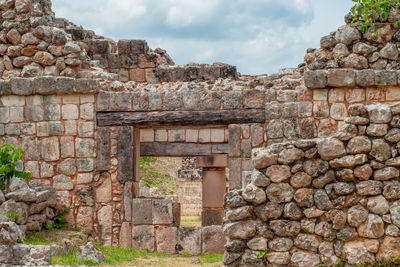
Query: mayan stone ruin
[[312, 154]]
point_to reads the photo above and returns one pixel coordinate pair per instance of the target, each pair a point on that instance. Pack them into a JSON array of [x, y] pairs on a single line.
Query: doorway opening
[[195, 184]]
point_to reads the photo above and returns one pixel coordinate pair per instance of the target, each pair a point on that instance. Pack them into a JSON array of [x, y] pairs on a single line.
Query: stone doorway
[[209, 148]]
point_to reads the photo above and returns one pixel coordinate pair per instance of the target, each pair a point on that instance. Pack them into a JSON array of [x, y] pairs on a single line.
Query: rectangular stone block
[[212, 161], [16, 114], [142, 211], [103, 101], [176, 135], [365, 78], [212, 239], [161, 135], [315, 79], [21, 86], [125, 154], [217, 135], [214, 187], [212, 217], [125, 235], [220, 149], [85, 147], [146, 135], [175, 149], [189, 240], [50, 149], [235, 173], [386, 77], [234, 140], [192, 135], [67, 146], [176, 213], [137, 75], [64, 85], [103, 149], [392, 94], [143, 238], [162, 211], [355, 95], [341, 78], [128, 200], [166, 239], [204, 135], [253, 98]]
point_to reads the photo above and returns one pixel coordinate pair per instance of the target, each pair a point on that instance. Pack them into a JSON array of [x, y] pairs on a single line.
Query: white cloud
[[182, 13], [259, 36]]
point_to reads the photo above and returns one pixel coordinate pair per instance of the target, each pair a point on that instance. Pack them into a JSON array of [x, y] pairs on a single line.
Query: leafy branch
[[367, 12], [9, 155]]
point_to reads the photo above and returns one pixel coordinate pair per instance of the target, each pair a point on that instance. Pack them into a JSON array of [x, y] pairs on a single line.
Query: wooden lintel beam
[[181, 118]]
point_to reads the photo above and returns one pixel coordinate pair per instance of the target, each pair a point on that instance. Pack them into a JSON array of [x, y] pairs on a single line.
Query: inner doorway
[[202, 175]]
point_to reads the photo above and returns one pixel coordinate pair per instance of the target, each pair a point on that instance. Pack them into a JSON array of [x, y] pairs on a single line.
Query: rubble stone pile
[[322, 200], [14, 253], [29, 206], [351, 48]]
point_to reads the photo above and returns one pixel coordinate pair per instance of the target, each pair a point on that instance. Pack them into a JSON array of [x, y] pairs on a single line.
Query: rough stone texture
[[90, 252], [310, 185], [342, 199]]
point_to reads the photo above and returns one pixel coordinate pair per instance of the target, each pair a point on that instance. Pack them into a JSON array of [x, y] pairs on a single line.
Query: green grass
[[154, 173], [70, 259], [37, 239], [211, 258], [190, 221], [117, 255]]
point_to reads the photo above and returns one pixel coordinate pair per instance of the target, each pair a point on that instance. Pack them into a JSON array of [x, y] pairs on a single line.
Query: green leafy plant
[[340, 264], [12, 216], [321, 264], [263, 255], [9, 155], [395, 258], [367, 12], [59, 222]]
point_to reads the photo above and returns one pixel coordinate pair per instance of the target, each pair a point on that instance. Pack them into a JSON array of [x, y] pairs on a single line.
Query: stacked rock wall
[[322, 200]]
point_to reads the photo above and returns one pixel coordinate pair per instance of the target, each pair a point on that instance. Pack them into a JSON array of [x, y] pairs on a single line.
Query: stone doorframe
[[212, 158]]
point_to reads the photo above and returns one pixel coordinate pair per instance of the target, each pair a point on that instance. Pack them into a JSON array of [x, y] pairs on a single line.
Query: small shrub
[[59, 222], [366, 11], [13, 216], [9, 155]]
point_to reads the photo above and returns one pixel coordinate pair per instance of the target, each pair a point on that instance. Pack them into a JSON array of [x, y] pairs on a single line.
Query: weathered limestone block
[[143, 238], [189, 240], [162, 211], [142, 211], [213, 240], [166, 239]]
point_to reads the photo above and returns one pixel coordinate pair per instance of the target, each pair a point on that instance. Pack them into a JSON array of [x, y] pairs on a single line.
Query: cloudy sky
[[258, 36]]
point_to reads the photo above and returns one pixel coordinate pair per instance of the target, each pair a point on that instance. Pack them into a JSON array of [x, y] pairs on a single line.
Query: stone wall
[[324, 199], [58, 80], [190, 188]]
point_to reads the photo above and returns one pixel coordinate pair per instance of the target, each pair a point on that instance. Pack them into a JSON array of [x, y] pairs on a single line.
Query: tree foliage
[[9, 155], [367, 12]]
